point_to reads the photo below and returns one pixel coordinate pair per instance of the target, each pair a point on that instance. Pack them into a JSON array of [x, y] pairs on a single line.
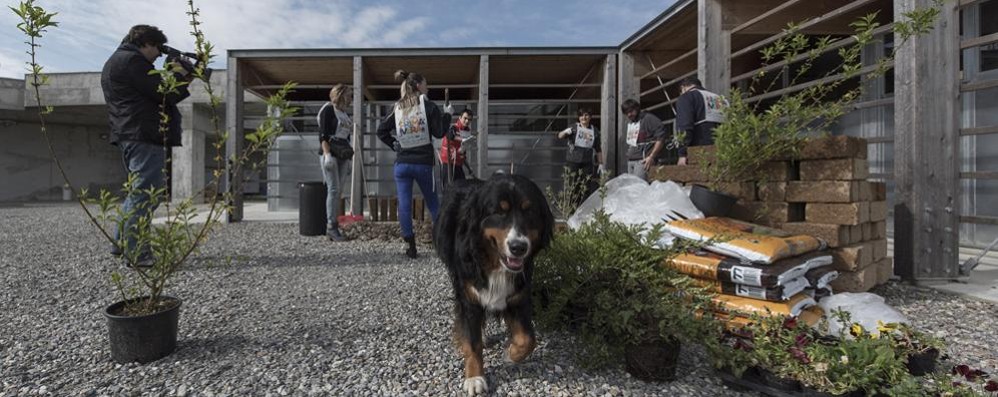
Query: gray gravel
[[268, 312]]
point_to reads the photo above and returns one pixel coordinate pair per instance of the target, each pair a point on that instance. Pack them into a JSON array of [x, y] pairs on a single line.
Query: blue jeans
[[422, 174], [334, 179], [146, 161]]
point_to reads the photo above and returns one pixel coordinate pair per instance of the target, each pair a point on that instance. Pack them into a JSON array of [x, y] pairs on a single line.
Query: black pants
[[445, 174]]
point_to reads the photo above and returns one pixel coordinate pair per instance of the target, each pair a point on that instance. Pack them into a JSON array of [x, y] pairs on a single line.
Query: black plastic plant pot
[[779, 383], [710, 202], [653, 362], [143, 338], [923, 363]]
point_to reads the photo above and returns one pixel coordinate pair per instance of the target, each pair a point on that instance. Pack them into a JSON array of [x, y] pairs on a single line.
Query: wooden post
[[234, 145], [357, 180], [926, 158], [608, 113], [483, 118], [629, 85], [714, 50]]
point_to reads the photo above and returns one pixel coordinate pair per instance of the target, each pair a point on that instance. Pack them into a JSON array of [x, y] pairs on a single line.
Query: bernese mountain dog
[[488, 234]]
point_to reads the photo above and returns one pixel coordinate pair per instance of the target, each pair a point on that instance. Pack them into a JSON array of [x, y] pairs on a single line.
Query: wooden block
[[879, 191], [676, 173], [867, 231], [823, 191], [772, 191], [372, 205], [763, 213], [856, 281], [865, 191], [392, 208], [701, 154], [838, 214], [833, 235], [743, 190], [879, 249], [853, 257], [878, 210], [834, 147], [417, 209], [855, 234], [885, 270], [777, 171], [834, 170], [879, 230]]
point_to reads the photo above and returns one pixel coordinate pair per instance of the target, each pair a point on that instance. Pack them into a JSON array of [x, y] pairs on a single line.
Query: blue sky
[[90, 29]]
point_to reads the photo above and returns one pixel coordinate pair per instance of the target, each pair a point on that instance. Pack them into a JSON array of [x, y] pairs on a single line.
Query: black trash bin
[[311, 208]]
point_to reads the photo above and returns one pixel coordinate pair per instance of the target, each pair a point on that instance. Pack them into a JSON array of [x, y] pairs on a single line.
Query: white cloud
[[11, 67]]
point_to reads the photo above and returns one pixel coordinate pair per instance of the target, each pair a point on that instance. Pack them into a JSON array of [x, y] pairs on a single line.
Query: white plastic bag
[[863, 307], [632, 201]]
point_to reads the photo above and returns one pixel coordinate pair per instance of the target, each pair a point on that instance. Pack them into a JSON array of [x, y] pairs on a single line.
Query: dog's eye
[[503, 206]]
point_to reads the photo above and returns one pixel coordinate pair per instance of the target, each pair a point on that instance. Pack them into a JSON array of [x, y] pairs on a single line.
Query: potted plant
[[143, 325], [762, 125], [922, 350], [606, 284]]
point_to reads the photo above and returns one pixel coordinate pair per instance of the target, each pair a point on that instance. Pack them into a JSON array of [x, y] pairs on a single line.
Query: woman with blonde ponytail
[[409, 130], [335, 128]]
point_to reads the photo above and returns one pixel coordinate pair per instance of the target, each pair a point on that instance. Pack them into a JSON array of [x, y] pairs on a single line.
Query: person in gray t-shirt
[[645, 138]]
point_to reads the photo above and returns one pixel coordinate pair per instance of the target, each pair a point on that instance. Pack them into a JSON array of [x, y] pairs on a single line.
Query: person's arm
[[598, 145], [385, 130], [686, 114], [327, 127], [147, 84], [657, 131], [565, 133]]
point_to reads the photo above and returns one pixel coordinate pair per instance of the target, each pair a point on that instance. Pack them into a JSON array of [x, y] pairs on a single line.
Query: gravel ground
[[269, 312]]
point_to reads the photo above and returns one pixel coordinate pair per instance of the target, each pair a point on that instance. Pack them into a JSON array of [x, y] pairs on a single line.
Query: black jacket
[[690, 110], [133, 101], [579, 155], [438, 122], [328, 124]]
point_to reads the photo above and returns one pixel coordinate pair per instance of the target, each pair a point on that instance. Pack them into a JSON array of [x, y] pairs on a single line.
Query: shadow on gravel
[[225, 263], [211, 348]]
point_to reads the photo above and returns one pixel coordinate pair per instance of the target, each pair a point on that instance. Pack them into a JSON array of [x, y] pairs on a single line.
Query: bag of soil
[[752, 243], [746, 306], [711, 266], [778, 293]]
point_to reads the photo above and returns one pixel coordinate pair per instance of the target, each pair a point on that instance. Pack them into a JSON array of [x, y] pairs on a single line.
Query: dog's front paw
[[475, 386]]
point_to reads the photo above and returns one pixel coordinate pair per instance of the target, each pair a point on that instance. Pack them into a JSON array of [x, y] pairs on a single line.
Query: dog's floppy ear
[[469, 249], [547, 230]]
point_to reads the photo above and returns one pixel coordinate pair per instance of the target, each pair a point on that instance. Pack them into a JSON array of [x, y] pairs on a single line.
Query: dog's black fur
[[476, 220]]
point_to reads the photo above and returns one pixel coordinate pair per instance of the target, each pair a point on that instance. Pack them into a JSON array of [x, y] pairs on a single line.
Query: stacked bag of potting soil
[[754, 269]]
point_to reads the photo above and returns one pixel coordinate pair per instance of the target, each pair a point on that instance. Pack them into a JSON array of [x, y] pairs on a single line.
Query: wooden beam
[[809, 84], [713, 60], [357, 175], [608, 113], [980, 175], [926, 160], [628, 86], [666, 84], [979, 220], [979, 130], [483, 117], [764, 16], [234, 144], [671, 63], [811, 22], [978, 85], [978, 41]]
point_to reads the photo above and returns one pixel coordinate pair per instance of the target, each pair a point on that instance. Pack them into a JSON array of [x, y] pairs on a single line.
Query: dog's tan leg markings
[[474, 374], [471, 292], [522, 344]]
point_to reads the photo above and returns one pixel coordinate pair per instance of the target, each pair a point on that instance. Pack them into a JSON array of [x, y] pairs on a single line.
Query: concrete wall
[[27, 172], [11, 94]]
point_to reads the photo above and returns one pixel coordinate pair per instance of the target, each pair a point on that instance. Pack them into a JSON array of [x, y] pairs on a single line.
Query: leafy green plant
[[180, 236], [764, 125], [605, 283]]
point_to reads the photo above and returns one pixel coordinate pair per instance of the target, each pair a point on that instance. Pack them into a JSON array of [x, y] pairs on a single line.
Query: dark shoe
[[145, 260], [334, 234], [411, 250]]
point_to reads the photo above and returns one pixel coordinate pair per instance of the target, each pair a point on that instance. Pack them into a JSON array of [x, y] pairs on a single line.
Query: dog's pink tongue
[[514, 263]]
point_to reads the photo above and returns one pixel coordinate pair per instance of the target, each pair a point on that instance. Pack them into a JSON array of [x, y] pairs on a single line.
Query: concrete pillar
[[482, 169], [187, 179], [608, 112], [628, 87]]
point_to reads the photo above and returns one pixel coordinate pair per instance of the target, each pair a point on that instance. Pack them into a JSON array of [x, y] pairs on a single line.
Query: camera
[[187, 60]]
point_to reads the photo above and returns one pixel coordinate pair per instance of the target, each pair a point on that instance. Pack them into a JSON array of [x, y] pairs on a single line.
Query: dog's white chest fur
[[500, 287]]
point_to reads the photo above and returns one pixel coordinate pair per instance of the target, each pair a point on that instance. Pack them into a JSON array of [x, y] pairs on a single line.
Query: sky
[[90, 30]]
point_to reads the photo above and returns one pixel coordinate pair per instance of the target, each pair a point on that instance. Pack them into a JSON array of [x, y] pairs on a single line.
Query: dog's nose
[[518, 247]]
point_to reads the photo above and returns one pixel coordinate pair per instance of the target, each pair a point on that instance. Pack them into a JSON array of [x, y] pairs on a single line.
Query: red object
[[450, 149], [344, 220]]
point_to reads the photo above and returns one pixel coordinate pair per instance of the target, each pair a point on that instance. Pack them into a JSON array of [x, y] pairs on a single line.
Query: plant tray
[[754, 382]]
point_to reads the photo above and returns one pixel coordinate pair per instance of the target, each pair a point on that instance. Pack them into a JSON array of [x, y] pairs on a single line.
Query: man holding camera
[[133, 105]]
